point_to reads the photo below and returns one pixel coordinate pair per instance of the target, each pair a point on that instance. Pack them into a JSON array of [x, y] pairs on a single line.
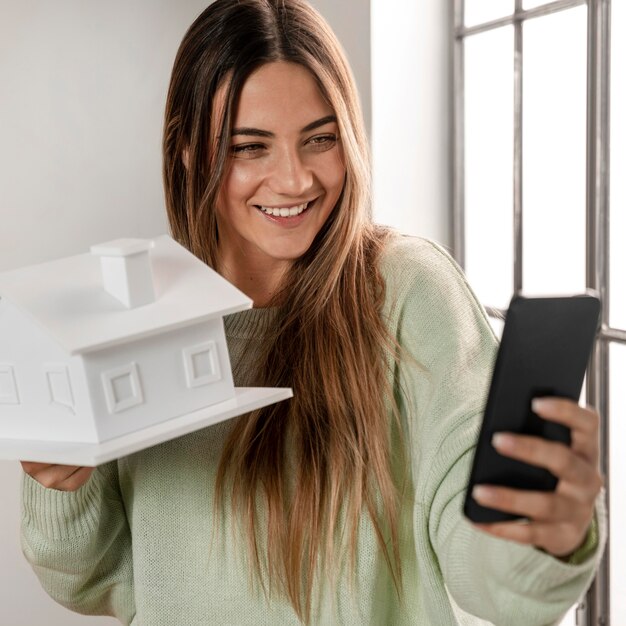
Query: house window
[[8, 386], [202, 365], [122, 388], [538, 173], [59, 386]]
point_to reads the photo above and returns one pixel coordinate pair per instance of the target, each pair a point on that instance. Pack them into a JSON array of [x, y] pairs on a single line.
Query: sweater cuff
[[588, 547], [582, 562], [60, 515]]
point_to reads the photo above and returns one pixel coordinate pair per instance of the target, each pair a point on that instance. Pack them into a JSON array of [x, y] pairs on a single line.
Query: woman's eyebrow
[[317, 123], [257, 132]]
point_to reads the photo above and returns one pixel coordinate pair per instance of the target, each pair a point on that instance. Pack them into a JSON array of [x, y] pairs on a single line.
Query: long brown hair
[[329, 342]]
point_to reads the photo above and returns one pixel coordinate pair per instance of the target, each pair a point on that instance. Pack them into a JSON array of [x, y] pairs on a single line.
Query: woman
[[342, 506]]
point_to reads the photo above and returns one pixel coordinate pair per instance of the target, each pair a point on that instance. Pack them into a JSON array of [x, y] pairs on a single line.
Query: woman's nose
[[290, 175]]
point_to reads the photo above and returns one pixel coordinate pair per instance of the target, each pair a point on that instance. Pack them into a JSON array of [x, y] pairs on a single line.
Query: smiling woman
[[343, 506], [284, 179]]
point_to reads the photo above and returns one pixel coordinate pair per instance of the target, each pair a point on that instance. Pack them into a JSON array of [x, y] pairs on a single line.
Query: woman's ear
[[185, 158]]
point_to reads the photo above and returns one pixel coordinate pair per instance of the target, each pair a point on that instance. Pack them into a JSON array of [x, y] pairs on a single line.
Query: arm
[[79, 544], [446, 330], [497, 579]]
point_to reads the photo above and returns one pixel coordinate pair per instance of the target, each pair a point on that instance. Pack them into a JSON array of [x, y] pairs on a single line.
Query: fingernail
[[502, 441], [540, 404], [480, 492]]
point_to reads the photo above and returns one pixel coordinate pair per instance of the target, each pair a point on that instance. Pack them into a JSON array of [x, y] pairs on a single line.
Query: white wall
[[82, 89], [350, 19], [412, 112]]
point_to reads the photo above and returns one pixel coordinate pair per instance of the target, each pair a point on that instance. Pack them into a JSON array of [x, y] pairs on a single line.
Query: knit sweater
[[137, 541]]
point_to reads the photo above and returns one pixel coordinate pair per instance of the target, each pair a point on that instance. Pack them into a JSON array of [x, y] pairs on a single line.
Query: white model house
[[98, 345]]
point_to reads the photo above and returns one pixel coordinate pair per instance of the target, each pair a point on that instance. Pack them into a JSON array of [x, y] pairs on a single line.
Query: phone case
[[545, 348]]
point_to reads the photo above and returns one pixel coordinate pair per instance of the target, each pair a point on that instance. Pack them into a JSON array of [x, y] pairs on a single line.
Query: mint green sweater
[[136, 541]]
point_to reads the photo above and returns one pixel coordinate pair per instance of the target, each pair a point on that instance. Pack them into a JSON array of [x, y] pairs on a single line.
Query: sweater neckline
[[250, 323]]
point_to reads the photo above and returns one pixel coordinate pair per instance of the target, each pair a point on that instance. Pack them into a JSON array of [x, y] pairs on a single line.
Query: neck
[[259, 280]]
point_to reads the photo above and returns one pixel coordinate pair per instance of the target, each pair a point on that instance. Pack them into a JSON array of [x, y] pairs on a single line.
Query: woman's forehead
[[282, 95]]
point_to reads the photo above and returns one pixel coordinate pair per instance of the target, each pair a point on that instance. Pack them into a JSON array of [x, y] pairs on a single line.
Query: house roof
[[67, 299]]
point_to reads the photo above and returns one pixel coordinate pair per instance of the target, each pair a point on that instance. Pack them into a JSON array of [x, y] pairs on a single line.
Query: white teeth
[[285, 212]]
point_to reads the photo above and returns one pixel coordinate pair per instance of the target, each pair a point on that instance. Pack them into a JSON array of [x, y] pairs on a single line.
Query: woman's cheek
[[240, 177], [331, 168]]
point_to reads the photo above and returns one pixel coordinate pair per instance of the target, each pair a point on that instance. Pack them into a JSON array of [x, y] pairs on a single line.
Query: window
[[202, 365], [59, 386], [8, 387], [122, 388], [535, 185]]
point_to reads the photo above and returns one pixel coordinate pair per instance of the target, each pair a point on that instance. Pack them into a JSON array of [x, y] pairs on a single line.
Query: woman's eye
[[320, 143], [247, 150]]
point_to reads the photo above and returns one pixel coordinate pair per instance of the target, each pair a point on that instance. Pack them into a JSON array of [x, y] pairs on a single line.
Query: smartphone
[[545, 349]]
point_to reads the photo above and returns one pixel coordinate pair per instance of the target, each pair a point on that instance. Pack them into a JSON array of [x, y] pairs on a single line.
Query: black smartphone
[[545, 349]]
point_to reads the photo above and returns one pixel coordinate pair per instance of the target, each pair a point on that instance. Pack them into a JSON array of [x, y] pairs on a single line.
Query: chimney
[[126, 270]]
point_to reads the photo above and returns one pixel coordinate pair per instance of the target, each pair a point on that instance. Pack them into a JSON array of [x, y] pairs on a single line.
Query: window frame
[[595, 609]]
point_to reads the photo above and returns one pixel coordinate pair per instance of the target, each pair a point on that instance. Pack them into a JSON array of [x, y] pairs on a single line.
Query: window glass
[[617, 312], [498, 326], [479, 11], [531, 4], [617, 437], [554, 149], [554, 189], [489, 165]]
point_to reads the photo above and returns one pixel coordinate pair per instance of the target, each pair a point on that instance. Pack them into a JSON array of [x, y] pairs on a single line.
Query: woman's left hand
[[558, 521]]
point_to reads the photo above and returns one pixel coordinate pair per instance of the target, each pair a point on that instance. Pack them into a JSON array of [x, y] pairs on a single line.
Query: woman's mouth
[[288, 212]]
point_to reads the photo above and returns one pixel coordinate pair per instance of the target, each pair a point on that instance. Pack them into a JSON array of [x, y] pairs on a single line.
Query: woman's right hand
[[59, 477]]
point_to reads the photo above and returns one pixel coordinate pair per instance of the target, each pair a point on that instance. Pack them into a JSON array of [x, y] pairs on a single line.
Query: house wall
[[161, 372], [30, 351]]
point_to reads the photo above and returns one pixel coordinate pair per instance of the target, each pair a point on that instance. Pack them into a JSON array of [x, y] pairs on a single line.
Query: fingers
[[59, 477], [557, 539], [557, 521], [29, 467], [52, 476], [583, 422], [556, 457], [540, 506], [77, 479], [566, 412]]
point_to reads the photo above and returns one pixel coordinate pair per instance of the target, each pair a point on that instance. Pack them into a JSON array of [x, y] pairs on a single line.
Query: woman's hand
[[60, 477], [559, 520]]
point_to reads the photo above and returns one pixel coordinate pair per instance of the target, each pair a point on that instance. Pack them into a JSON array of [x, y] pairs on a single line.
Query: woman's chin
[[288, 255]]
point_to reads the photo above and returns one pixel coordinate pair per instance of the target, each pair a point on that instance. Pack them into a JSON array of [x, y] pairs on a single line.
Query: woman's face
[[285, 172]]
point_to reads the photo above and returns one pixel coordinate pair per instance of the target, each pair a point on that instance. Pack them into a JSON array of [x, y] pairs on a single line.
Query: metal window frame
[[595, 609]]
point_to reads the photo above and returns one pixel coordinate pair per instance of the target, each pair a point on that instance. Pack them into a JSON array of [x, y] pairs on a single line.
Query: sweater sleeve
[[445, 329], [79, 544]]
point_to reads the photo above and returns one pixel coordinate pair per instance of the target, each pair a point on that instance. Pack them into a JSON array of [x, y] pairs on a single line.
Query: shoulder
[[418, 266], [401, 248], [418, 258], [428, 295]]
